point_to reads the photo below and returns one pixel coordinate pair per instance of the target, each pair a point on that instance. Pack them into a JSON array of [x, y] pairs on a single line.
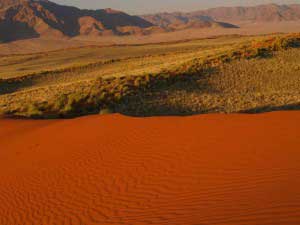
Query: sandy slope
[[209, 169]]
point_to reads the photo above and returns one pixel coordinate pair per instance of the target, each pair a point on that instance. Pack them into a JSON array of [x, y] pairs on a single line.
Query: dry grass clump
[[10, 85], [256, 85], [256, 49], [180, 90]]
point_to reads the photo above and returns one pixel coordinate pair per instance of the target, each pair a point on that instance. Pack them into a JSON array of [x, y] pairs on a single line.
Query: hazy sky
[[150, 6]]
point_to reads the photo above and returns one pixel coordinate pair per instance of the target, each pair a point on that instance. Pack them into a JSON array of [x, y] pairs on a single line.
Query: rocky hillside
[[22, 19], [25, 19], [179, 21], [261, 13], [235, 15]]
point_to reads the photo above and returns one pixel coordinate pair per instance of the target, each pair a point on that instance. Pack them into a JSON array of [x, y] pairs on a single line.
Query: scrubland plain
[[223, 74]]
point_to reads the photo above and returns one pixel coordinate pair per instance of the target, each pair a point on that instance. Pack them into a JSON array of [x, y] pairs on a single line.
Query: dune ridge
[[208, 169]]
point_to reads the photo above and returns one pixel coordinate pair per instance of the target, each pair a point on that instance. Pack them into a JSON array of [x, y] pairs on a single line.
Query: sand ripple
[[202, 170]]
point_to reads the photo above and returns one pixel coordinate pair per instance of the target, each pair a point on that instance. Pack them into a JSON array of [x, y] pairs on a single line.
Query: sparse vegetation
[[232, 79]]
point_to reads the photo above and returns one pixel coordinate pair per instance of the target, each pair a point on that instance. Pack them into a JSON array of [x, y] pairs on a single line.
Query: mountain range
[[24, 19], [21, 19], [228, 15], [260, 13]]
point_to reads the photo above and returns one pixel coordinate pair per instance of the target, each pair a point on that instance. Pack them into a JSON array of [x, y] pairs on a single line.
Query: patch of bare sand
[[208, 169]]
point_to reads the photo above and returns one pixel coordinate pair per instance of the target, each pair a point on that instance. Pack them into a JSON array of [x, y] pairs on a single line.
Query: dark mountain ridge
[[20, 19], [24, 19]]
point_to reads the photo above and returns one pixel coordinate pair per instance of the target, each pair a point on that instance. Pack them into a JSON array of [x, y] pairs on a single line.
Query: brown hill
[[179, 21], [228, 15], [260, 13], [25, 19], [22, 19]]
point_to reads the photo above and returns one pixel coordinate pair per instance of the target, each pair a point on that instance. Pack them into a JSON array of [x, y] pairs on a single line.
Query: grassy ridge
[[138, 94], [256, 85], [61, 68], [13, 66]]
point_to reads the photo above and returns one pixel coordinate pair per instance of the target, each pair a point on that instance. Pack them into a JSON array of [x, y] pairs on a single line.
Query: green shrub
[[106, 111], [33, 111]]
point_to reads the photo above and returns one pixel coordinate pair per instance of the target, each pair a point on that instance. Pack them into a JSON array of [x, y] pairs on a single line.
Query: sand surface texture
[[201, 170]]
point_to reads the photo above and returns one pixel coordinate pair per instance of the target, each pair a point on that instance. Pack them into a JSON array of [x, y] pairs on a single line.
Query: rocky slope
[[179, 21], [25, 19], [235, 15], [21, 19]]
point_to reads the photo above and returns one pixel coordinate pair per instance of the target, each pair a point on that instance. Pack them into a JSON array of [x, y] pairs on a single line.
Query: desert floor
[[44, 45], [207, 169]]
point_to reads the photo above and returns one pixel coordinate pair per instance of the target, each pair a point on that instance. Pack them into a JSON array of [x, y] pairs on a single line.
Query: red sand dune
[[201, 170]]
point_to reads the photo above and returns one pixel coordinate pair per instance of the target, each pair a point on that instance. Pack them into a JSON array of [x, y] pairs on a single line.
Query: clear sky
[[151, 6]]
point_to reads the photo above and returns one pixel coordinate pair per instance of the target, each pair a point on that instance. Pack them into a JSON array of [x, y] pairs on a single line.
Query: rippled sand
[[200, 170]]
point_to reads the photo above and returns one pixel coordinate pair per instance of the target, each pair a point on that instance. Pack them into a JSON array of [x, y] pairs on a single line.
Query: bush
[[33, 111], [106, 111]]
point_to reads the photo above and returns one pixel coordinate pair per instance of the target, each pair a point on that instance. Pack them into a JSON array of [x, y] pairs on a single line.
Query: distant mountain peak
[[260, 13], [226, 16]]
